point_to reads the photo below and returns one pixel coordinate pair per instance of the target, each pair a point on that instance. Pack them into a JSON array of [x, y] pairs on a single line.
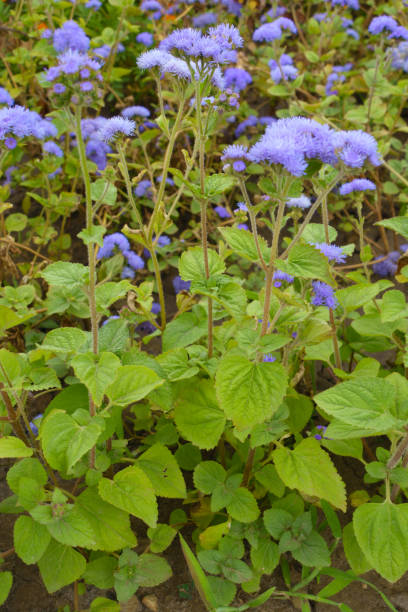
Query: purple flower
[[70, 36], [180, 285], [139, 111], [222, 212], [242, 206], [331, 251], [127, 272], [5, 97], [399, 32], [134, 260], [110, 242], [165, 62], [33, 425], [356, 185], [53, 149], [273, 30], [96, 151], [114, 127], [388, 266], [145, 38], [381, 23], [354, 147], [94, 4], [292, 142], [10, 143], [400, 57], [143, 189], [112, 318], [280, 277], [323, 295], [350, 3], [322, 428], [238, 154], [17, 122], [204, 20], [237, 79], [268, 358], [86, 86], [156, 308], [300, 202], [251, 121], [243, 226], [283, 69]]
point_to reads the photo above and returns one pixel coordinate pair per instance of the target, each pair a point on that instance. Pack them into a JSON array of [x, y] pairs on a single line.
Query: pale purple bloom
[[381, 23], [134, 260], [388, 266], [180, 285], [70, 36], [273, 30], [300, 202], [143, 189], [237, 78], [145, 38], [354, 147], [268, 358], [400, 57], [222, 212], [331, 251], [116, 126], [94, 4], [243, 226], [279, 277], [323, 295], [111, 241], [127, 272], [356, 185], [284, 68], [86, 86], [53, 149], [139, 111], [5, 97], [204, 20], [242, 206], [237, 154]]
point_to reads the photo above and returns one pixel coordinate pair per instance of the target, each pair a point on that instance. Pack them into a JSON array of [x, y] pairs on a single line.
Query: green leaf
[[163, 472], [30, 539], [224, 591], [8, 318], [313, 551], [268, 477], [277, 521], [11, 446], [309, 469], [64, 442], [305, 261], [60, 565], [382, 532], [265, 557], [242, 242], [216, 184], [102, 604], [132, 491], [353, 552], [65, 274], [132, 384], [103, 192], [161, 537], [197, 414], [93, 235], [96, 372], [111, 526], [114, 336], [208, 475], [316, 233], [236, 570], [243, 507], [200, 579], [361, 402], [99, 572], [249, 393], [151, 570], [6, 580], [352, 298], [72, 398], [397, 224], [393, 306], [70, 527], [191, 265], [110, 292], [186, 329], [26, 468], [176, 364]]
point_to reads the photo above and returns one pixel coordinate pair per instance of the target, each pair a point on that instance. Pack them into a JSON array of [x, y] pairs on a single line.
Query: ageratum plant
[[203, 299]]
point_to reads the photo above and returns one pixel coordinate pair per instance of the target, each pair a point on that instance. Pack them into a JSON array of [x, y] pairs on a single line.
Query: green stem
[[166, 165], [336, 350], [271, 266], [203, 211], [252, 218], [159, 288], [125, 173]]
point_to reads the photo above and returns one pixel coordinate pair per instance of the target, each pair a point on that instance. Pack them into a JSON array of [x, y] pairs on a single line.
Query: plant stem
[[271, 266], [125, 173], [309, 215], [399, 452], [203, 211], [325, 218], [252, 218], [159, 288], [91, 254]]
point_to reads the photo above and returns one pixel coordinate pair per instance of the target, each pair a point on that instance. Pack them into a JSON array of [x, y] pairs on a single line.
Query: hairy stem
[[252, 218], [271, 266]]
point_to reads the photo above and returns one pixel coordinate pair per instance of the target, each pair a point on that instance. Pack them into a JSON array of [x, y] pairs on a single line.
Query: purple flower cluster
[[143, 189], [204, 20], [237, 79], [18, 122], [323, 295], [353, 4], [331, 251], [300, 202], [145, 38], [399, 57], [70, 36], [336, 76], [75, 74], [52, 148], [216, 45], [280, 277], [120, 241], [292, 142], [116, 126], [180, 285], [222, 212], [283, 69], [252, 121], [5, 97], [238, 155], [273, 30], [356, 185]]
